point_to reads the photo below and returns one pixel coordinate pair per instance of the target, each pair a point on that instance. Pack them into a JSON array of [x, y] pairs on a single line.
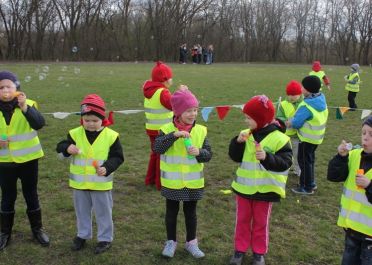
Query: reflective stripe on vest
[[252, 177], [177, 170], [352, 87], [24, 144], [156, 114], [312, 131], [289, 111], [356, 210], [83, 174]]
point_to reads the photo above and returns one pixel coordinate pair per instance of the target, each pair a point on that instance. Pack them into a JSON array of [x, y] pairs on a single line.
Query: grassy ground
[[303, 229]]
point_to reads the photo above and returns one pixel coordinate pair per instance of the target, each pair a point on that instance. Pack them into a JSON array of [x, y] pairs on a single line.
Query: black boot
[[7, 220], [36, 227]]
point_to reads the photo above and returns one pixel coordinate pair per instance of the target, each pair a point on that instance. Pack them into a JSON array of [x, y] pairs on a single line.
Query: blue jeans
[[357, 251]]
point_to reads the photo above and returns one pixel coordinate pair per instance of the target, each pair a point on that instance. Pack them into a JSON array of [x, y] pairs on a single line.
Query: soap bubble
[[60, 78], [74, 49], [46, 69], [2, 35], [37, 70], [64, 68], [91, 49], [42, 76], [76, 70], [67, 85], [27, 78]]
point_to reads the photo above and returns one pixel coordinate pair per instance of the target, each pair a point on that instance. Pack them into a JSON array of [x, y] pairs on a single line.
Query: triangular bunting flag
[[61, 115], [344, 109], [338, 114], [365, 113], [222, 111], [205, 112], [239, 106]]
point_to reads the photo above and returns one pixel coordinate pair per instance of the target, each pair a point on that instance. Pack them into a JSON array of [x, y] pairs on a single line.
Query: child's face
[[304, 91], [168, 83], [292, 98], [91, 122], [251, 123], [367, 139], [7, 90], [189, 116]]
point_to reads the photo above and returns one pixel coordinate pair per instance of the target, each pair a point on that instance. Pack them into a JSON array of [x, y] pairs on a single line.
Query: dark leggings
[[28, 174], [189, 210], [351, 98]]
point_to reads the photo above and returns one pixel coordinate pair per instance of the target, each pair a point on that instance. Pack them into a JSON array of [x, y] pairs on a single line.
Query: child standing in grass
[[96, 153], [352, 85], [158, 111], [20, 151], [354, 168], [310, 122], [317, 71], [181, 168], [265, 156], [286, 110]]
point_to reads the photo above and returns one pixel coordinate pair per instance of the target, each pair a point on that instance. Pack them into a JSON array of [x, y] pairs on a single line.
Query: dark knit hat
[[311, 83], [161, 72], [293, 88], [368, 121], [260, 109], [10, 76], [93, 104]]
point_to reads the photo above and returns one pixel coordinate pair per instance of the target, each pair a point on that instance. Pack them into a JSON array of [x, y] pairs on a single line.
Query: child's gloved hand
[[344, 148], [3, 144], [243, 136], [345, 77], [22, 101], [192, 150], [182, 134], [101, 171], [362, 181]]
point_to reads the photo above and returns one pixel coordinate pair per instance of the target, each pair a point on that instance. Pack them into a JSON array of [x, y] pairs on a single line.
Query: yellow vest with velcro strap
[[356, 210], [312, 131], [24, 144], [352, 87], [83, 174], [156, 114], [251, 176], [289, 111], [176, 169], [319, 74]]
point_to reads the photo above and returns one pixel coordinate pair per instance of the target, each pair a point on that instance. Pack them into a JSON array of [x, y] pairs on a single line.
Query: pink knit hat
[[182, 100]]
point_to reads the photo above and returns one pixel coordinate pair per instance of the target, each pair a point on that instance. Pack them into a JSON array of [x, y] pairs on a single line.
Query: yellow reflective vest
[[289, 111], [156, 114], [24, 144], [319, 74], [312, 131], [356, 210], [352, 87], [177, 170], [83, 174], [252, 177]]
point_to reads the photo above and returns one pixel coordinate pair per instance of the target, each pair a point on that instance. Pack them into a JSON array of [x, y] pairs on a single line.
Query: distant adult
[[20, 151], [209, 54], [194, 54], [352, 85], [183, 53]]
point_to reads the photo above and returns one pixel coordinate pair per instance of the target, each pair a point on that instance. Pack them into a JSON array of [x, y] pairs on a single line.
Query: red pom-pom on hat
[[293, 88], [161, 72], [260, 109]]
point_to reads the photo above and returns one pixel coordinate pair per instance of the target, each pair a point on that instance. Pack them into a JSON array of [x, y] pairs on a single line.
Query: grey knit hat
[[368, 121], [355, 67]]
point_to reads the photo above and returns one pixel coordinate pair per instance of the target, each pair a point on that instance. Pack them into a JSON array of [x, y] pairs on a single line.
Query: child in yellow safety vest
[[286, 110], [318, 72], [184, 148], [353, 166], [158, 111], [20, 150], [264, 155], [96, 153], [352, 85]]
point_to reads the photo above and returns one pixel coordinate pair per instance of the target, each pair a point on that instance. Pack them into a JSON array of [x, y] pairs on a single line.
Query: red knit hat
[[182, 100], [260, 109], [293, 88], [161, 72], [94, 104], [316, 66]]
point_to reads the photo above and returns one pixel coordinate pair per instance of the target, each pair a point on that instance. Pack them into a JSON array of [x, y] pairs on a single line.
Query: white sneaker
[[193, 249], [169, 248]]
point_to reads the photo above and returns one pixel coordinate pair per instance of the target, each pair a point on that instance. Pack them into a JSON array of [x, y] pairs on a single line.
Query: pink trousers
[[153, 169], [252, 225]]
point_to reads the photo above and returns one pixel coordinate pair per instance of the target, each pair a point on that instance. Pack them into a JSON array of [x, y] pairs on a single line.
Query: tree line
[[333, 31]]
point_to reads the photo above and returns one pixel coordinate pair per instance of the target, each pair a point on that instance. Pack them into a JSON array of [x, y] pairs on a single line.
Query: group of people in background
[[199, 54], [271, 144]]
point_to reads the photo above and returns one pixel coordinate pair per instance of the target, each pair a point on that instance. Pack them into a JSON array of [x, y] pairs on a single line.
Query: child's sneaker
[[237, 259], [77, 244], [169, 248], [302, 191], [258, 259], [193, 249]]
